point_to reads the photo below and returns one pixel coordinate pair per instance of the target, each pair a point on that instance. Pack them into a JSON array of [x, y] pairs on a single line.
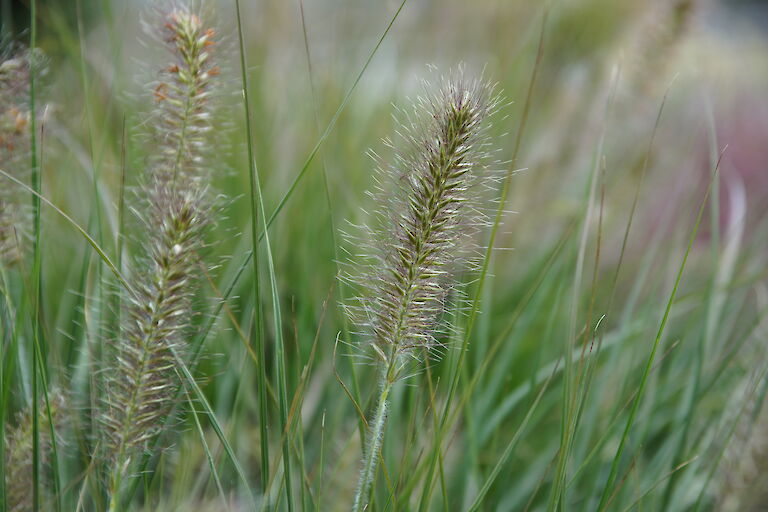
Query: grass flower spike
[[18, 452], [174, 210], [426, 226], [14, 149]]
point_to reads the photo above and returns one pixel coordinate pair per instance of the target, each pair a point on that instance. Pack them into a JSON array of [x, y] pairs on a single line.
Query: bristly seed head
[[19, 439], [14, 151], [174, 205], [426, 222]]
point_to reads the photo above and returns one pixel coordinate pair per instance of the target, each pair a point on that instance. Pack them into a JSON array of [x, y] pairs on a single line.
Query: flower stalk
[[370, 461], [425, 238]]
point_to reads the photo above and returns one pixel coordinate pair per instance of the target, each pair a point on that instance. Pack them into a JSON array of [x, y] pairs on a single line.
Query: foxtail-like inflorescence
[[14, 150], [18, 451], [175, 208], [429, 210], [428, 213]]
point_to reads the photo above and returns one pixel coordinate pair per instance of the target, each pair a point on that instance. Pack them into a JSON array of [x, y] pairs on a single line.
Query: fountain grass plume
[[18, 452], [14, 150], [174, 208], [424, 234]]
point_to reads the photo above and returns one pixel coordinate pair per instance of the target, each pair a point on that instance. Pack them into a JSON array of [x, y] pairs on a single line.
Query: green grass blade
[[96, 247], [258, 330], [282, 391], [190, 381], [6, 352], [334, 235], [246, 259], [714, 310], [37, 258], [649, 364], [570, 391], [208, 455], [511, 445], [725, 440], [333, 120]]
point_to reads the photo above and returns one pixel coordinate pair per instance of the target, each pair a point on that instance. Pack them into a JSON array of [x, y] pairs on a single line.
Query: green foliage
[[613, 360]]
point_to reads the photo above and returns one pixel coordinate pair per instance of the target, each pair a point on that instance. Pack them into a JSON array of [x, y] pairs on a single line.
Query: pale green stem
[[114, 497], [375, 435]]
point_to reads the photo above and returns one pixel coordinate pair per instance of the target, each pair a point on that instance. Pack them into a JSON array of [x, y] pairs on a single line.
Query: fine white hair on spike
[[15, 117], [420, 238], [430, 205], [18, 439], [174, 203]]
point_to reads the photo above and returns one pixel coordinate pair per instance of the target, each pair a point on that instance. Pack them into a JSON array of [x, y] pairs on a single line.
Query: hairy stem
[[375, 435]]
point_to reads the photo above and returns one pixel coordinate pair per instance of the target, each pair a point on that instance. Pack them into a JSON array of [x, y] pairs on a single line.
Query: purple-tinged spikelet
[[427, 218], [14, 150], [426, 222], [174, 209], [18, 452]]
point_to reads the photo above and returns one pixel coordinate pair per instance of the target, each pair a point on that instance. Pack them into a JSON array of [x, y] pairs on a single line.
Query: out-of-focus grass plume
[[175, 206], [14, 148], [18, 452]]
